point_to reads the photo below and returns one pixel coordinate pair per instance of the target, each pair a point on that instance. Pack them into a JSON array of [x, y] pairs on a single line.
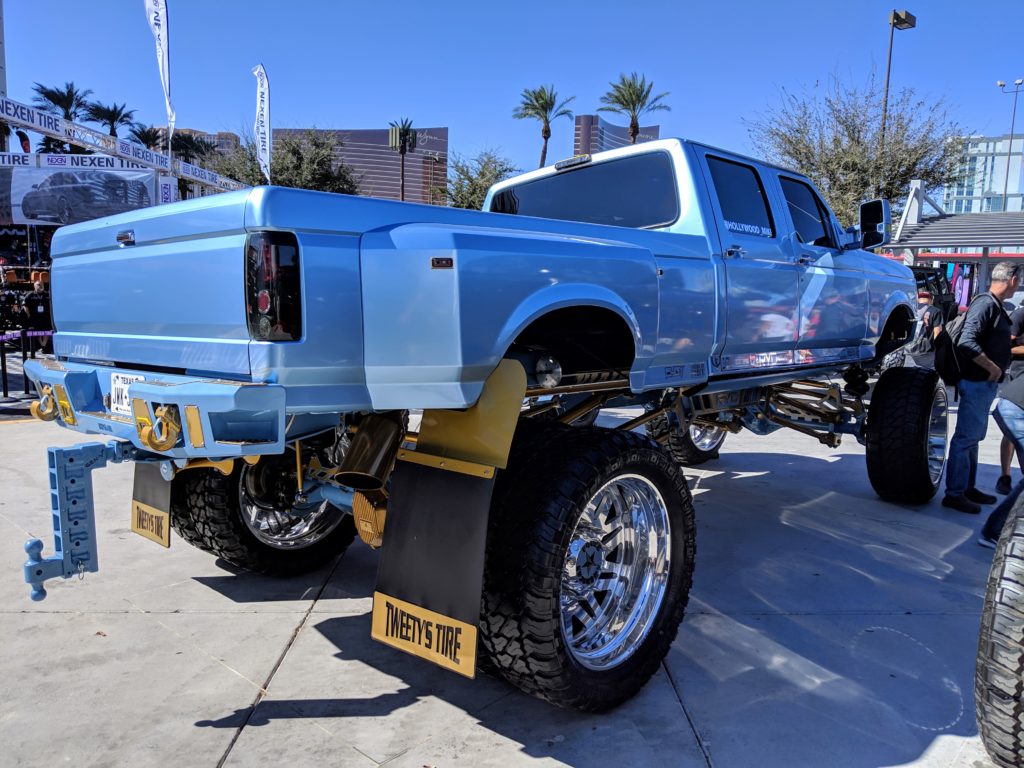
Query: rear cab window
[[741, 197], [636, 191]]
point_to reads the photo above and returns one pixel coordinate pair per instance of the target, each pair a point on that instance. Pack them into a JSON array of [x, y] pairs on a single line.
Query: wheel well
[[581, 339], [897, 331]]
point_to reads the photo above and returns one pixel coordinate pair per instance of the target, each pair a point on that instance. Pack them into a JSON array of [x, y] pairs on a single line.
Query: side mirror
[[875, 223]]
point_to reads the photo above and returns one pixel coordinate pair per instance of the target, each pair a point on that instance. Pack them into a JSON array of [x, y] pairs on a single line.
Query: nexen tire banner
[[66, 189]]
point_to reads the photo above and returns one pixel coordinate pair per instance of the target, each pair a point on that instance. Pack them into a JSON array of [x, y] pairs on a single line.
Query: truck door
[[833, 286], [761, 276]]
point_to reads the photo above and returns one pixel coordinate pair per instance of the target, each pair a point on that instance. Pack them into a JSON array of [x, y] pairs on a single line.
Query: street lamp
[[897, 20], [1009, 145]]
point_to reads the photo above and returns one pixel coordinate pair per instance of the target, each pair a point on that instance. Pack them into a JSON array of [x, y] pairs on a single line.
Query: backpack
[[948, 362]]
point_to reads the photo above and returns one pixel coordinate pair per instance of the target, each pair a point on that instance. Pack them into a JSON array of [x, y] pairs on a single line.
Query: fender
[[565, 295], [876, 321], [433, 337]]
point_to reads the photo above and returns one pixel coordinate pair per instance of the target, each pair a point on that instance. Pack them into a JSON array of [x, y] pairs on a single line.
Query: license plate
[[119, 401]]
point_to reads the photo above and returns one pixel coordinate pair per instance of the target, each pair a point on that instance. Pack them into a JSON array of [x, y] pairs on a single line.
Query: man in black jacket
[[984, 352]]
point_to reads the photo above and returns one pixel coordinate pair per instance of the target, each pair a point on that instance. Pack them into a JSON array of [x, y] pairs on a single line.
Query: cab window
[[809, 215], [741, 196], [636, 191]]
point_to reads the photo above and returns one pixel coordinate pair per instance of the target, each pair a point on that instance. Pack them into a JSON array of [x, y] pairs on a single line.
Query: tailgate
[[173, 300]]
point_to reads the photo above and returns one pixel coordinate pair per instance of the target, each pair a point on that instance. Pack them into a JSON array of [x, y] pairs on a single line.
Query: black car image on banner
[[65, 189]]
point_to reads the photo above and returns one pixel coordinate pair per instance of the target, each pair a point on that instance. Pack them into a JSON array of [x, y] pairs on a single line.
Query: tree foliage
[[631, 96], [68, 102], [112, 116], [147, 136], [833, 136], [469, 179], [542, 104], [305, 162]]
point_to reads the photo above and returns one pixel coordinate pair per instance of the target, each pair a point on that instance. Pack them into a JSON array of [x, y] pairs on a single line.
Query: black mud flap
[[151, 504], [427, 600]]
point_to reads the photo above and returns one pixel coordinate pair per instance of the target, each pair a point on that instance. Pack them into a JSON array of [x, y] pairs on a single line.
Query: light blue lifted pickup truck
[[257, 355]]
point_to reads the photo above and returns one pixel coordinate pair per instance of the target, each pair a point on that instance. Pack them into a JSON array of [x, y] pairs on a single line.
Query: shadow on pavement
[[825, 627]]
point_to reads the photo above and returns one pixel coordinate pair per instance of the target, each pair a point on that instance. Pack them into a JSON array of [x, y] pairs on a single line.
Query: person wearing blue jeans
[[1009, 417], [971, 425], [984, 354]]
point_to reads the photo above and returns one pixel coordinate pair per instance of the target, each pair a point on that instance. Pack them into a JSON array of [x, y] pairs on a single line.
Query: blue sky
[[345, 64]]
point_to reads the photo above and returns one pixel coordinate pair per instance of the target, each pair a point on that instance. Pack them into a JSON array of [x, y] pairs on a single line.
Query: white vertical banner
[[261, 128], [156, 15]]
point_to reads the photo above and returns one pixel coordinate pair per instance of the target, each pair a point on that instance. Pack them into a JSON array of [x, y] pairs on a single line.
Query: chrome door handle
[[805, 259], [735, 251]]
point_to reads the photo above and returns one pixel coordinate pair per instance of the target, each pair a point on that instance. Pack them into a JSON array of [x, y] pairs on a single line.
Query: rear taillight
[[273, 292]]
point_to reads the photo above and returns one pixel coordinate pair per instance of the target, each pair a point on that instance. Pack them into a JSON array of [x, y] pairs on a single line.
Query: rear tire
[[906, 435], [547, 557], [687, 446], [999, 666], [206, 511]]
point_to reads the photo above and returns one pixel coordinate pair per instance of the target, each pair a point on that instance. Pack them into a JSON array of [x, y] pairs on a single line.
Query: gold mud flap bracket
[[427, 599]]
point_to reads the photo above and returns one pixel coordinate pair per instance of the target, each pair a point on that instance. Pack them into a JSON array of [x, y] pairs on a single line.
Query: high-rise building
[[983, 174], [595, 134], [377, 167]]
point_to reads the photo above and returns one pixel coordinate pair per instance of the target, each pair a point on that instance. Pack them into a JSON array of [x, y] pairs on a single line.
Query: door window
[[810, 217], [741, 197]]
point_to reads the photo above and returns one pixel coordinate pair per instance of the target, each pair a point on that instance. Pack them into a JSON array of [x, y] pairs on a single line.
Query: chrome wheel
[[615, 572], [707, 438], [937, 431], [265, 494]]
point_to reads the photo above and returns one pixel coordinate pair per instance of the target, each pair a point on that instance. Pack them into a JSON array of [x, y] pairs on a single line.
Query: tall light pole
[[1009, 145], [897, 20]]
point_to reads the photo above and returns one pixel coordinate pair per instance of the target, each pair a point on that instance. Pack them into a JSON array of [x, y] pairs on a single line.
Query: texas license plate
[[151, 504], [119, 401]]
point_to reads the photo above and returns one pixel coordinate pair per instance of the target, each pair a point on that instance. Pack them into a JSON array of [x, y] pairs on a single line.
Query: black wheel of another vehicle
[[999, 666], [240, 518], [64, 212], [590, 554], [690, 447], [906, 435]]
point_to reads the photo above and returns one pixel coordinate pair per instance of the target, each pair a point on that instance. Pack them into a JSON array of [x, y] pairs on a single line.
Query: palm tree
[[403, 138], [147, 136], [191, 148], [632, 96], [68, 102], [111, 116], [542, 104]]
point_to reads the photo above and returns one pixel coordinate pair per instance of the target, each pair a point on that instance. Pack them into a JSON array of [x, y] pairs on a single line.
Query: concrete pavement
[[825, 628]]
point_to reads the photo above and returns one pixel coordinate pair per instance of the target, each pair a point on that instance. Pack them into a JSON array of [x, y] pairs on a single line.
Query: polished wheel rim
[[297, 527], [706, 438], [615, 572], [937, 432]]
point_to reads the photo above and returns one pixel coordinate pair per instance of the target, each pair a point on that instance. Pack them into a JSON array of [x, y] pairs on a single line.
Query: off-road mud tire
[[206, 512], [999, 666], [679, 442], [553, 471], [897, 435]]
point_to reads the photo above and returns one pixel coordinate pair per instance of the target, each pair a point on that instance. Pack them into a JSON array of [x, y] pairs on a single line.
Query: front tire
[[906, 435], [64, 213], [694, 445], [999, 666], [589, 564], [207, 511]]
